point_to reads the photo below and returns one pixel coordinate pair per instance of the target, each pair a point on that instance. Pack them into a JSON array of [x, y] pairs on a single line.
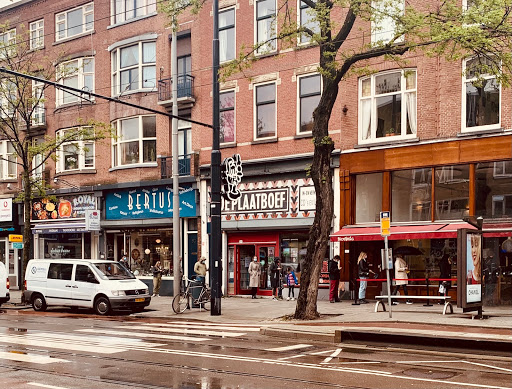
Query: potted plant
[[390, 132]]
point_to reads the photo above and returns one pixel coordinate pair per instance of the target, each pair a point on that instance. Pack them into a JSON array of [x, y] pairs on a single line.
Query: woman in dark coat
[[275, 273], [445, 271]]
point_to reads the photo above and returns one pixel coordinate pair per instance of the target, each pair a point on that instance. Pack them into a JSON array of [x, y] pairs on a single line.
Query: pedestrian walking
[[254, 274], [275, 275], [334, 279], [401, 277], [200, 269], [445, 271], [157, 279], [363, 273], [291, 281]]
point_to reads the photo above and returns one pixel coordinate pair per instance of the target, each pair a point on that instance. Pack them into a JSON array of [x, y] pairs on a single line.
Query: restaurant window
[[411, 195], [368, 197], [63, 246], [293, 249], [493, 197], [451, 192]]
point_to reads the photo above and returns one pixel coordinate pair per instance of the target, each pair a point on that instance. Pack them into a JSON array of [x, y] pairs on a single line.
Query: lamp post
[[215, 205]]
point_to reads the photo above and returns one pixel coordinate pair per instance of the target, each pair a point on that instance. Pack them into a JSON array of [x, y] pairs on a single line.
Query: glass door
[[266, 256], [245, 253]]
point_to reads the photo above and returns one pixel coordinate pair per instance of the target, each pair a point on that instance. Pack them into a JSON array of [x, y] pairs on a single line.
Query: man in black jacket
[[334, 279]]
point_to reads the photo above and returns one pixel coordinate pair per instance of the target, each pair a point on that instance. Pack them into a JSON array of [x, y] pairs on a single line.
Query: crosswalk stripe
[[333, 355], [145, 335], [45, 386], [210, 324], [184, 331], [30, 358], [288, 348], [228, 328], [102, 340]]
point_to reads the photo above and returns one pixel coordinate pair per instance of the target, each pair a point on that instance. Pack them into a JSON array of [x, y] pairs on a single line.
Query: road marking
[[45, 386], [321, 352], [489, 366], [291, 357], [288, 348], [333, 355], [145, 335], [216, 324], [30, 358], [231, 328], [101, 340], [184, 330]]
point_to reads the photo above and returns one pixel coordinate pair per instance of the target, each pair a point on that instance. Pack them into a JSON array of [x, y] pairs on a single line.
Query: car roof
[[72, 260]]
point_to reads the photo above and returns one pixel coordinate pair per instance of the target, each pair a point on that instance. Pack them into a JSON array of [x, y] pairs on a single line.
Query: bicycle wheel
[[205, 302], [180, 302]]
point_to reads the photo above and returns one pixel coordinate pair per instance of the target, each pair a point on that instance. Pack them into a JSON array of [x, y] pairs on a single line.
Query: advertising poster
[[474, 268]]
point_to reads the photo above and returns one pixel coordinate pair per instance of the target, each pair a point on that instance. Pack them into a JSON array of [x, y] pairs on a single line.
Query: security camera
[[9, 186], [55, 180]]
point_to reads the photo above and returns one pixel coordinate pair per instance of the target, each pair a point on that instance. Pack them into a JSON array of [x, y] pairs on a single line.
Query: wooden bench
[[382, 299]]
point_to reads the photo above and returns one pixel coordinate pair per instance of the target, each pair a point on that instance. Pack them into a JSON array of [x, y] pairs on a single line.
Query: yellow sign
[[385, 223], [15, 238]]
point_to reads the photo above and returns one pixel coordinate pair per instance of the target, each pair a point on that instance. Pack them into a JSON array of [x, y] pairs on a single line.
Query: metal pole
[[175, 172], [215, 212], [386, 255]]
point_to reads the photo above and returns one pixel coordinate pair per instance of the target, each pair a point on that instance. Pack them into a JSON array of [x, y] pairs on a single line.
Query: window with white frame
[[8, 98], [7, 43], [387, 106], [37, 161], [383, 23], [502, 169], [37, 34], [310, 91], [78, 73], [38, 113], [124, 10], [481, 97], [74, 22], [134, 67], [7, 160], [227, 116], [265, 100], [74, 155], [265, 25], [307, 19], [136, 140], [227, 35]]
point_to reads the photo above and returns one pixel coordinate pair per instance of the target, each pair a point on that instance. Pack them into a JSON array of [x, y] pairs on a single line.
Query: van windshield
[[113, 271]]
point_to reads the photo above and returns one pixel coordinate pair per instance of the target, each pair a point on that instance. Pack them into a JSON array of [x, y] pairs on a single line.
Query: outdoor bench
[[382, 299]]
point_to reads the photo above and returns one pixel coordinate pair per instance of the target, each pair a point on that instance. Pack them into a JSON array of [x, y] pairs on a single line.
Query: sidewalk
[[343, 321]]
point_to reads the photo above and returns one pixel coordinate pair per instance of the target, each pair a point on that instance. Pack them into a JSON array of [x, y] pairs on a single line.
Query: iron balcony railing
[[183, 166], [39, 116], [185, 87]]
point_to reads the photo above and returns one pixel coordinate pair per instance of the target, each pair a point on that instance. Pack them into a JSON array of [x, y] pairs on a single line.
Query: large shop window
[[124, 10], [412, 192], [227, 117], [310, 90], [66, 246], [387, 106], [7, 160], [293, 249], [266, 26], [265, 111], [76, 155], [74, 22], [135, 142], [79, 74], [494, 189], [134, 68], [368, 197], [451, 192], [481, 97]]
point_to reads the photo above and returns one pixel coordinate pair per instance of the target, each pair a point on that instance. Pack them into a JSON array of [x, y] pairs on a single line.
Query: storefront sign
[[307, 198], [5, 210], [15, 238], [231, 173], [69, 207], [258, 201], [92, 220], [18, 246], [148, 203]]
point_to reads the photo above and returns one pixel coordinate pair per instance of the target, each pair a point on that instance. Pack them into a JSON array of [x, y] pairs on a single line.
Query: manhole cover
[[429, 373]]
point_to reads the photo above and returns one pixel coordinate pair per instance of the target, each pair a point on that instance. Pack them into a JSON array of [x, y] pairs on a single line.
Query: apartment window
[[134, 67], [7, 160], [265, 111], [227, 117], [384, 25], [387, 106], [481, 97], [307, 19], [8, 98], [227, 35], [74, 22], [37, 161], [7, 43], [38, 113], [74, 155], [78, 73], [124, 10], [37, 34], [265, 25], [136, 140], [309, 97]]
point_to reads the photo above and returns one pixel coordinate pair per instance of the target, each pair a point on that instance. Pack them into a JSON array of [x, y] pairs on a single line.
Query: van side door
[[84, 287], [59, 284]]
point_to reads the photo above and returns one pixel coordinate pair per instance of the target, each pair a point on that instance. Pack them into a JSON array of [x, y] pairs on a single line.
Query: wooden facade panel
[[407, 157], [446, 153], [486, 149], [366, 161]]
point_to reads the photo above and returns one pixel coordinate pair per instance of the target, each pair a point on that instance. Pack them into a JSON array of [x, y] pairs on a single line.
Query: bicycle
[[182, 301]]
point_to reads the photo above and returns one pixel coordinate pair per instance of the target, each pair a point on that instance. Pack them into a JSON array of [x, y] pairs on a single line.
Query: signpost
[[385, 231]]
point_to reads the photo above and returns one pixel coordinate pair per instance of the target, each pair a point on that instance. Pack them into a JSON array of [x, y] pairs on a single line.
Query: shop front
[[10, 252]]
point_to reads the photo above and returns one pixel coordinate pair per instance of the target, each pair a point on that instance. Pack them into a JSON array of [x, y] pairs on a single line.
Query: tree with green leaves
[[481, 29], [23, 118]]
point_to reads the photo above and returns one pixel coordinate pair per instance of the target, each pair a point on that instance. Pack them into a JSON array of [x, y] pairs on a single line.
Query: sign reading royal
[[254, 201], [148, 203]]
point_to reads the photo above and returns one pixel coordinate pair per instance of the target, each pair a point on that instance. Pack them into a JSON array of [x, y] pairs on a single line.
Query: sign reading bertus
[[148, 203]]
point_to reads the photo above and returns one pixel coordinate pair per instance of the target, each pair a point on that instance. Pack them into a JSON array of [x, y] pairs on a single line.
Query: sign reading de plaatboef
[[148, 203]]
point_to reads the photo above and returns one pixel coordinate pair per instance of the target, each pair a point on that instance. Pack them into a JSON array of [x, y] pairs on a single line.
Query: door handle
[[74, 286], [68, 286]]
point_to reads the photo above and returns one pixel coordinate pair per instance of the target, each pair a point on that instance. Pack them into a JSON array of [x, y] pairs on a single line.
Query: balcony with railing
[[39, 117], [185, 91], [184, 166]]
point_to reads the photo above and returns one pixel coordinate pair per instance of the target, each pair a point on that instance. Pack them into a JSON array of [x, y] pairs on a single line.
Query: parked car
[[78, 283], [4, 285]]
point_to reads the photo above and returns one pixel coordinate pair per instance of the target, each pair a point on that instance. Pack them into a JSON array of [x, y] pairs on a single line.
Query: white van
[[102, 285], [4, 284]]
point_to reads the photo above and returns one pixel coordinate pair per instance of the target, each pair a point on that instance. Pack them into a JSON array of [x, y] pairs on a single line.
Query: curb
[[297, 334]]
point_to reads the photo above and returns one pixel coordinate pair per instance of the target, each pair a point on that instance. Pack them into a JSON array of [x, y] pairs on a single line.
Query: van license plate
[[139, 300]]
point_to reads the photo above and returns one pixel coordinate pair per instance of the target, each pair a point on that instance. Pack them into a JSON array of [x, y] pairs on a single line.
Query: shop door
[[13, 267], [244, 255], [192, 253], [265, 255]]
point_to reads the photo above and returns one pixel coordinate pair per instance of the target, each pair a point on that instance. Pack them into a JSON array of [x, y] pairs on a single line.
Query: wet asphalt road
[[62, 350]]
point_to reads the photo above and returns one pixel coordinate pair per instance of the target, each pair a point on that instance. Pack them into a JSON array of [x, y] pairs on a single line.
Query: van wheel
[[102, 306], [39, 303]]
